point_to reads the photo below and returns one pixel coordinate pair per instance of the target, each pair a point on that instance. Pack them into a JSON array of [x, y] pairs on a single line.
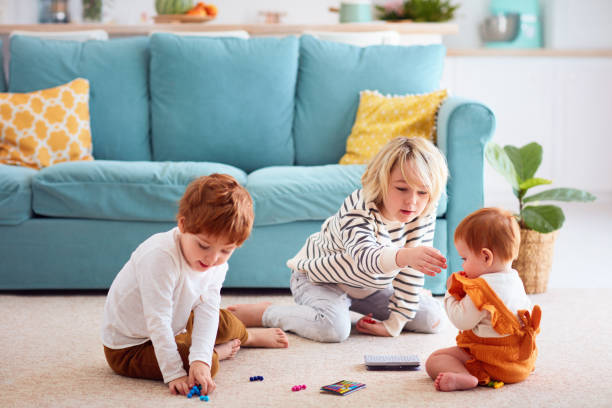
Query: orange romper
[[509, 359]]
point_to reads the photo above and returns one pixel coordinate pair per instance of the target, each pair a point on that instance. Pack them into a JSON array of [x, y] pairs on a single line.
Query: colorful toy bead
[[298, 387], [204, 398], [195, 390], [495, 384], [368, 320], [256, 378]]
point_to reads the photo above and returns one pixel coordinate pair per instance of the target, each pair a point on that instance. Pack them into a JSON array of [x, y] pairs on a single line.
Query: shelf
[[252, 29]]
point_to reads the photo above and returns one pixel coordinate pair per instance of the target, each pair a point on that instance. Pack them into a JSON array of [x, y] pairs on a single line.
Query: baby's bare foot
[[270, 338], [249, 313], [455, 381], [227, 350]]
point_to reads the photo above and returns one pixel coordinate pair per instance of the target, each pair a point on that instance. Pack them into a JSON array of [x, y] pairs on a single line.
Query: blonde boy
[[162, 318]]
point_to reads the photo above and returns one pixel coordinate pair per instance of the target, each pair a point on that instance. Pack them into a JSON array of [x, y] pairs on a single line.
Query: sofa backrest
[[228, 100], [250, 103], [332, 74], [117, 71]]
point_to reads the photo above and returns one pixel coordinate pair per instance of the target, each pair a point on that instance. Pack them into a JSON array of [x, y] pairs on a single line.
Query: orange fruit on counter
[[196, 11], [211, 10], [203, 9]]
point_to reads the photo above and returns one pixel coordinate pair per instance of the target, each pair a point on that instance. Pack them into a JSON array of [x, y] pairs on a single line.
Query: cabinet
[[563, 103]]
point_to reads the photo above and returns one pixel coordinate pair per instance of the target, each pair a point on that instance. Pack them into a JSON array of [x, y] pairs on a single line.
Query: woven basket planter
[[535, 259]]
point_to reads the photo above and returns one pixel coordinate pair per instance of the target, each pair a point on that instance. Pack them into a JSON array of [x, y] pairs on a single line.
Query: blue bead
[[260, 378], [206, 398], [189, 395]]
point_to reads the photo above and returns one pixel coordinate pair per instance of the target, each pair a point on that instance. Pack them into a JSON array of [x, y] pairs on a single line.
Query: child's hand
[[199, 373], [424, 259], [179, 386], [368, 325]]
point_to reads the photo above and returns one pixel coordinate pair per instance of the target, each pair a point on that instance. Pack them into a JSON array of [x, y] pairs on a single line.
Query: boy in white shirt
[[162, 317], [488, 304]]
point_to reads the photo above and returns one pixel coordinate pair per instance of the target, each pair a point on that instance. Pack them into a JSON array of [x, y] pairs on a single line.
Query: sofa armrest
[[464, 127]]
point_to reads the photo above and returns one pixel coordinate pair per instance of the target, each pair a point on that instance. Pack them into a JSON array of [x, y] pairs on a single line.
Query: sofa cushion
[[294, 193], [226, 100], [117, 71], [115, 190], [332, 74], [381, 118], [42, 128], [15, 194], [284, 194]]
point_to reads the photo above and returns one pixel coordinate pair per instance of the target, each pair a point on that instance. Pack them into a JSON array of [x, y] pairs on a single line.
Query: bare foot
[[227, 350], [455, 381], [249, 313], [269, 338]]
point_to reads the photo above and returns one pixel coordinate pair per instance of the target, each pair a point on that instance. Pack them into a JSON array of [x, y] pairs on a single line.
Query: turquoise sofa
[[272, 112]]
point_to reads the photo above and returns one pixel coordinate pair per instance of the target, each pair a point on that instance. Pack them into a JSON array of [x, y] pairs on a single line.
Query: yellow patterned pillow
[[381, 118], [41, 128]]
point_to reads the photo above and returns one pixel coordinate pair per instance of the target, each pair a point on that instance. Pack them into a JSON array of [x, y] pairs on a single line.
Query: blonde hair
[[219, 206], [428, 166], [492, 228]]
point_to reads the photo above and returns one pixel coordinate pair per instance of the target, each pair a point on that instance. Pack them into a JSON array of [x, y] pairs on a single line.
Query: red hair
[[491, 228], [217, 205]]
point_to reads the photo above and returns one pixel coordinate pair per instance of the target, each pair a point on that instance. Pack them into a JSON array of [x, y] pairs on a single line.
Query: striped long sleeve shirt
[[357, 246]]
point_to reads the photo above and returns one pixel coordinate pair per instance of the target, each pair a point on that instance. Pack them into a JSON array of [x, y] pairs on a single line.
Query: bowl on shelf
[[501, 27]]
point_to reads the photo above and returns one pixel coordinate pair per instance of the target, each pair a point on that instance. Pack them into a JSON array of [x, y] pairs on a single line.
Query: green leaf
[[543, 218], [499, 160], [562, 194], [526, 160], [532, 182]]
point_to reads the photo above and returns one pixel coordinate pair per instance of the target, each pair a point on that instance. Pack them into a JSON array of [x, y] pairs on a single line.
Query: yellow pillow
[[41, 128], [381, 118]]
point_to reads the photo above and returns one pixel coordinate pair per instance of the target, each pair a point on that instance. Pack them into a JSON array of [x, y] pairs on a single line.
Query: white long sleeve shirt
[[357, 247], [465, 316], [152, 297]]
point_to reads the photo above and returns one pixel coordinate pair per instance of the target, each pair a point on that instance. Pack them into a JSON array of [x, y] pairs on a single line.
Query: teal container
[[356, 12]]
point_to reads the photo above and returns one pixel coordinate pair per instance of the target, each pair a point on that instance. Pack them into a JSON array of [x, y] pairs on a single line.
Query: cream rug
[[51, 356]]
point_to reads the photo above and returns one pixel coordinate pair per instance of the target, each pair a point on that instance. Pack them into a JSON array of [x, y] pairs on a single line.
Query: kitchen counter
[[252, 29], [296, 29]]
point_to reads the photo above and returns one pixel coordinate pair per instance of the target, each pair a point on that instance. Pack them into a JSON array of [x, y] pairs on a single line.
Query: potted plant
[[539, 223], [417, 10]]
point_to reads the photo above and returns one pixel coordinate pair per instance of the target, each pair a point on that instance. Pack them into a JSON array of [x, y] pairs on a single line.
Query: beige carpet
[[51, 356]]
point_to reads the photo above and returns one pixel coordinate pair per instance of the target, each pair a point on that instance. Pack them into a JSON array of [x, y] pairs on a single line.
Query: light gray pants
[[321, 312]]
